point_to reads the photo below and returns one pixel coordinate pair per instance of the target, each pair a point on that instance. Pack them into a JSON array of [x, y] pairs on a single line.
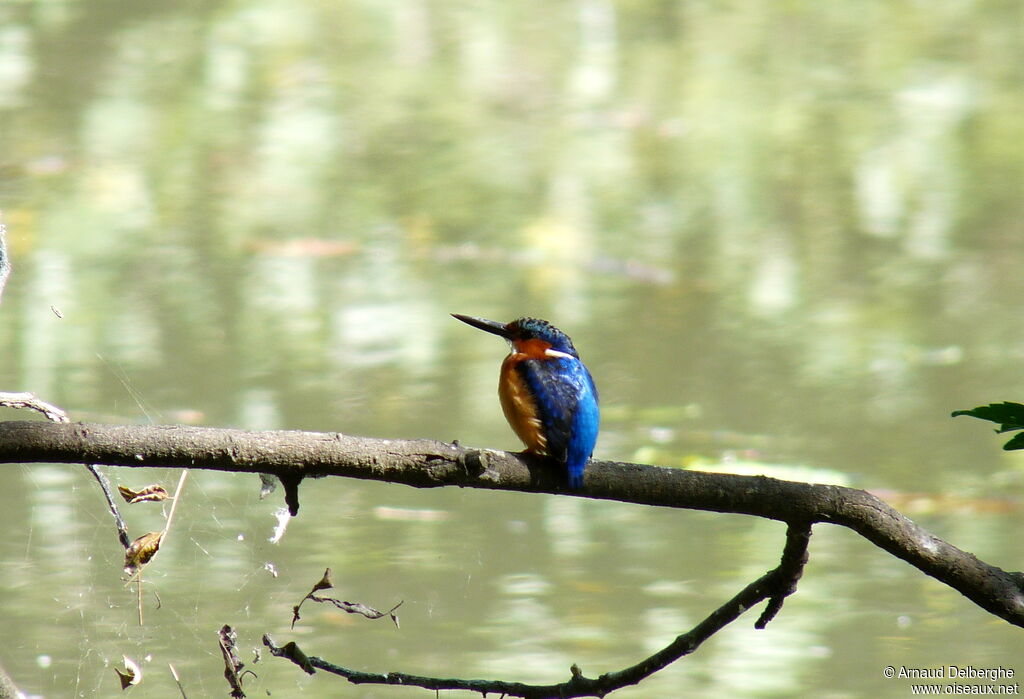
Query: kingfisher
[[547, 394]]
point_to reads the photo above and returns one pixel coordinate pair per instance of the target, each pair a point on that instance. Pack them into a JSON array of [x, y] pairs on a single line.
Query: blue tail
[[583, 436], [576, 476]]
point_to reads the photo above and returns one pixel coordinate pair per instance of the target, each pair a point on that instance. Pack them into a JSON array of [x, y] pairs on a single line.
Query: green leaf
[[1016, 443], [1010, 416]]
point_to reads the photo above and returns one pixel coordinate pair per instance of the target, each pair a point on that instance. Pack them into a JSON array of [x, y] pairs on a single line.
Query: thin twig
[[29, 401], [122, 528], [177, 681], [5, 263], [174, 505]]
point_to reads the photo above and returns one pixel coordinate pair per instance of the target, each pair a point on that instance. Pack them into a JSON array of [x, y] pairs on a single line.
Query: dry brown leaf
[[141, 551], [151, 493], [325, 582]]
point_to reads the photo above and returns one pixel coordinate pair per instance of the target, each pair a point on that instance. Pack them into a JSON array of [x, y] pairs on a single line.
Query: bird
[[546, 392]]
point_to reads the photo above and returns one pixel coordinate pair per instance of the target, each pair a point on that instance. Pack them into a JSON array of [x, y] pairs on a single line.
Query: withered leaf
[[325, 582], [151, 493], [131, 675], [232, 663], [141, 551], [360, 608]]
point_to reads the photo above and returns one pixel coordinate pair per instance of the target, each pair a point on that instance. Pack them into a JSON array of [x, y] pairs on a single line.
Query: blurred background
[[785, 237]]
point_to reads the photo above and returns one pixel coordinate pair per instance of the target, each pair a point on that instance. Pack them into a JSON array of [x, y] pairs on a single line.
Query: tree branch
[[774, 586], [791, 568], [426, 464]]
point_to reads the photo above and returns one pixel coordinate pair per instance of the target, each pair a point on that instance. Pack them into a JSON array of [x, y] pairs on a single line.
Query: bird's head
[[531, 336]]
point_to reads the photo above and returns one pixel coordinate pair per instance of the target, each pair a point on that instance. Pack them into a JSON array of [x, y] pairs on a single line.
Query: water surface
[[784, 237]]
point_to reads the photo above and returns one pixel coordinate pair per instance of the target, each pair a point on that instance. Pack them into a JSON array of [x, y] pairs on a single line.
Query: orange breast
[[519, 407]]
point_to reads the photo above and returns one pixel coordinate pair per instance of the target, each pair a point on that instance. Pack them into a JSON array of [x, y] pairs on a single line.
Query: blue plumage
[[567, 408], [547, 394]]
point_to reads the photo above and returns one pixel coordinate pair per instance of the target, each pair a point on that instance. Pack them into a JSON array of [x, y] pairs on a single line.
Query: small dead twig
[[5, 264], [174, 501], [177, 681], [325, 583], [122, 528], [29, 401]]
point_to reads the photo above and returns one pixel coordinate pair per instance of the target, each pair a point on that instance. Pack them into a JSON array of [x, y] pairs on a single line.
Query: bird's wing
[[561, 387]]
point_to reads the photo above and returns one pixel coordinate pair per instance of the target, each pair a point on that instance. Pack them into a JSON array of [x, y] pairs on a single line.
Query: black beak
[[491, 326]]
